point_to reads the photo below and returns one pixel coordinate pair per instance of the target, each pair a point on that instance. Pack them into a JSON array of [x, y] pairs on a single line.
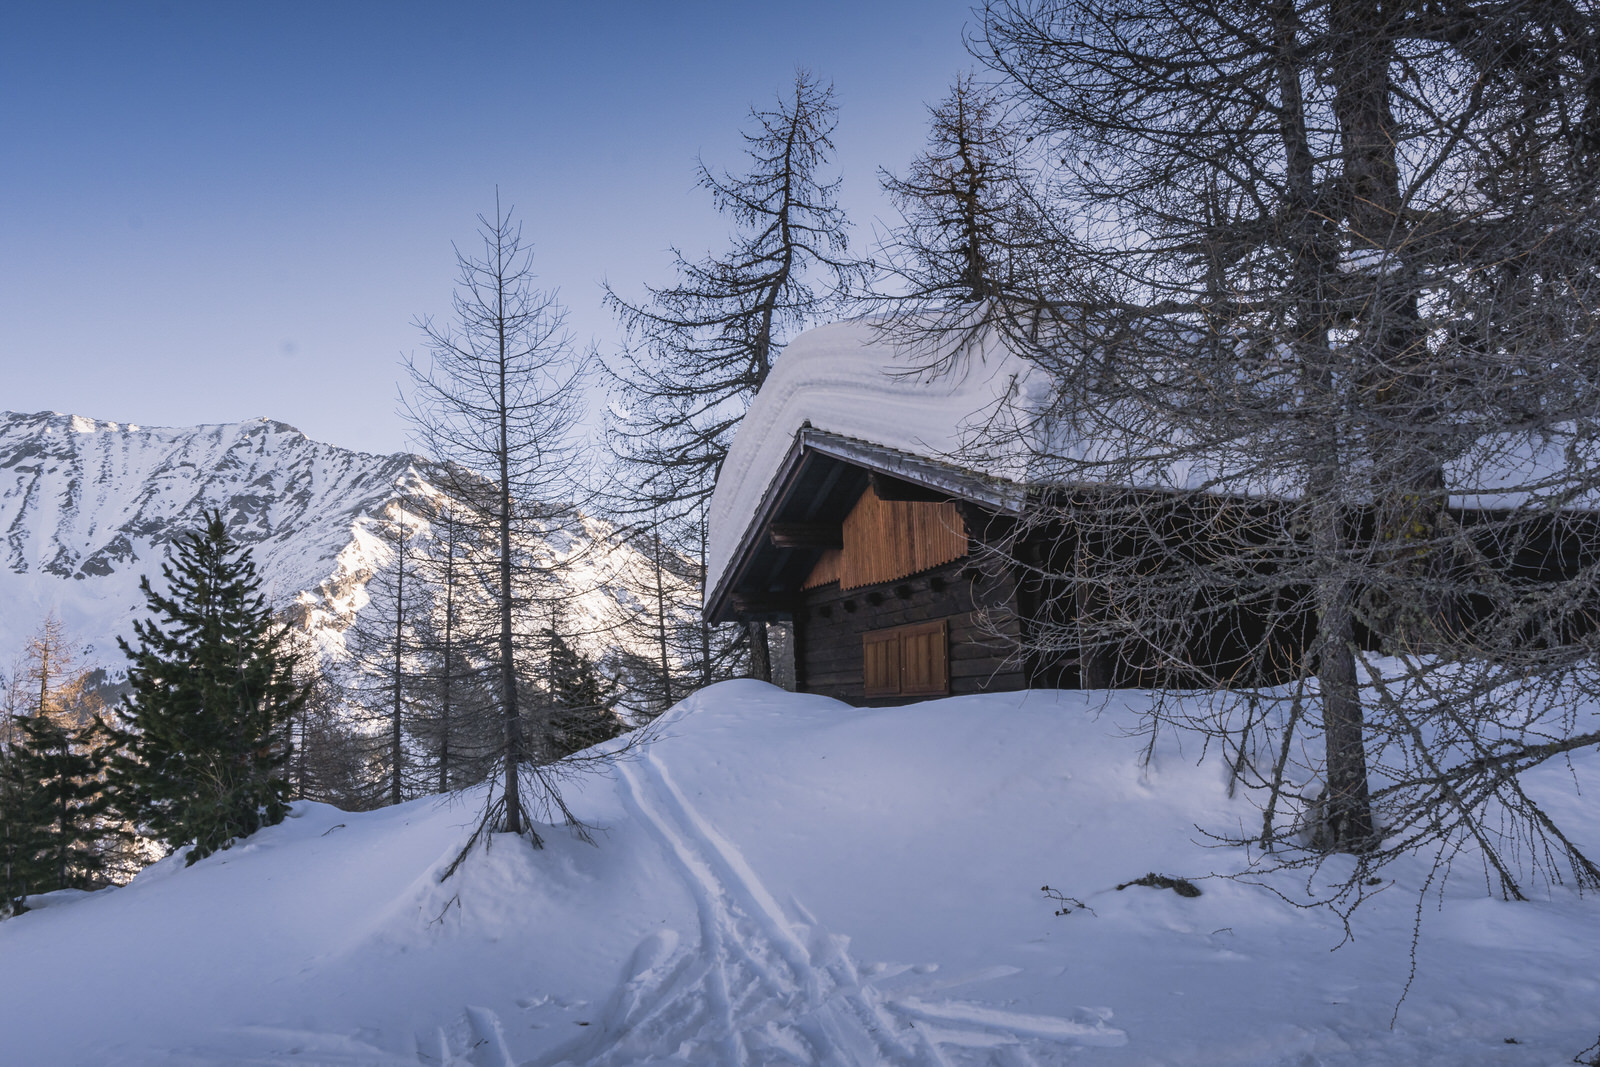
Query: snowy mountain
[[782, 879], [87, 507]]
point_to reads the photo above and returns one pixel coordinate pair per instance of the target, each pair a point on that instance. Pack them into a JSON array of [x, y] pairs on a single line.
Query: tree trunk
[[511, 715], [705, 628], [661, 629], [1096, 663], [1346, 818], [760, 655], [44, 679], [1408, 486], [396, 747], [444, 681]]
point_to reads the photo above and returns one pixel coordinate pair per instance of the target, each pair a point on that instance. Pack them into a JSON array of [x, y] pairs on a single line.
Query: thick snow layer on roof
[[851, 379], [855, 380]]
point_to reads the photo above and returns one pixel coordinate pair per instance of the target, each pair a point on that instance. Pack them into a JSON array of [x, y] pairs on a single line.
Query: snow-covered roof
[[855, 380], [851, 379]]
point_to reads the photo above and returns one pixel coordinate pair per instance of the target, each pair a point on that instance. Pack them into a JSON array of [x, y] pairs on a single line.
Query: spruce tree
[[58, 834], [213, 695], [56, 829], [19, 840], [582, 713]]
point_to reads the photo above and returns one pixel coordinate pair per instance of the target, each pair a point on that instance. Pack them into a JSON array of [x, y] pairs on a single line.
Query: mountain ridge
[[88, 506]]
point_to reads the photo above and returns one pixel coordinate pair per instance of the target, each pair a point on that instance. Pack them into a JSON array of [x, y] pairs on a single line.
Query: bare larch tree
[[971, 228], [699, 349], [495, 402], [1318, 284]]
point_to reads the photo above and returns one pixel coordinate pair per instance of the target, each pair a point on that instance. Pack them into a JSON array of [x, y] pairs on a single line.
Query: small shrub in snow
[[1068, 904], [1181, 886]]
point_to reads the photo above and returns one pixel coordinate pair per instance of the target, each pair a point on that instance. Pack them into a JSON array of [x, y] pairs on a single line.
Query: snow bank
[[783, 879]]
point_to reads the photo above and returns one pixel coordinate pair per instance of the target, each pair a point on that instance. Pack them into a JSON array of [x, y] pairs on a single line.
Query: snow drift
[[783, 879]]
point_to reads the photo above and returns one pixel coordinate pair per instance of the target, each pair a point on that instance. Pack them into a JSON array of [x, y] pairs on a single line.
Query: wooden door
[[907, 660], [880, 661], [925, 659]]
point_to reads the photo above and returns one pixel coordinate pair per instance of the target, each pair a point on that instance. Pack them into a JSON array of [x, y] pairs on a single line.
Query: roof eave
[[993, 493]]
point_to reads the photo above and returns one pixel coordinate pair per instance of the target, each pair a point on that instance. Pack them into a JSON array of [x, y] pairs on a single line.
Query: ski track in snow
[[762, 988], [475, 1038]]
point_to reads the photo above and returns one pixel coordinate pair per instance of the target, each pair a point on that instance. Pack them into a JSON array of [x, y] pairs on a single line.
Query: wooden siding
[[889, 539], [831, 624], [925, 659], [826, 570]]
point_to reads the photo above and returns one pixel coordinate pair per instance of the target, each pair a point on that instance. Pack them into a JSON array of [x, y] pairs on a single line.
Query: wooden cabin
[[841, 512], [871, 556]]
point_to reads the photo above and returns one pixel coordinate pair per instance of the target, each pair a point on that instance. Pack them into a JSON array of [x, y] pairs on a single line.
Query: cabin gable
[[873, 558], [881, 540]]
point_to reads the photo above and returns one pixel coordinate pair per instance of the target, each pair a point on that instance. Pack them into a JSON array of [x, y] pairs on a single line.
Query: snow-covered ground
[[783, 879]]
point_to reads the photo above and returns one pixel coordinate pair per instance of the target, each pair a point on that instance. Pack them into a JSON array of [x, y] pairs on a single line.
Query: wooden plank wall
[[826, 570], [828, 631], [889, 539]]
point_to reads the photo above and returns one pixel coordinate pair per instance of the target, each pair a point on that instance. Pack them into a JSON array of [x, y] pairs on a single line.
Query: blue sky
[[212, 211]]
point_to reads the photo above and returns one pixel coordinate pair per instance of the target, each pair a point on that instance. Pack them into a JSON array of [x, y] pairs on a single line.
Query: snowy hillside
[[783, 879], [87, 507]]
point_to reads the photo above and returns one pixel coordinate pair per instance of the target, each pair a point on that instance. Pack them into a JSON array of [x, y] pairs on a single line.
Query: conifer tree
[[494, 407], [581, 713], [387, 682], [971, 228], [213, 695], [52, 670], [58, 833], [452, 717], [331, 759], [16, 843], [1337, 255]]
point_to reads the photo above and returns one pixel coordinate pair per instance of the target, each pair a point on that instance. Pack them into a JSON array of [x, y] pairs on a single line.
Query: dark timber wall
[[829, 625], [1248, 629]]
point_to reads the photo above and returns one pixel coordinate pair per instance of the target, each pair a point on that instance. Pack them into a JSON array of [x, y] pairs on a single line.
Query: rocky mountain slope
[[87, 507]]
